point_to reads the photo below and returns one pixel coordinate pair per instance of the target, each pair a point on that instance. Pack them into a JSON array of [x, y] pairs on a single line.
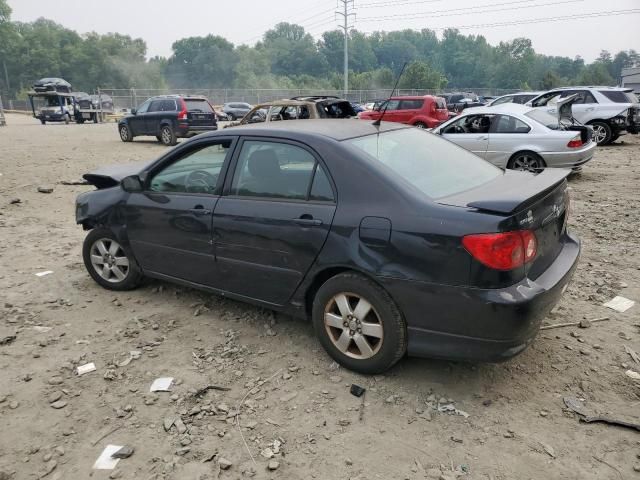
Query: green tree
[[419, 75], [293, 51]]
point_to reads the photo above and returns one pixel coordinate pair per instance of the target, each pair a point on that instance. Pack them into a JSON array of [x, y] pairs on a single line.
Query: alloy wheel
[[109, 260], [599, 133], [353, 326], [124, 133], [166, 136], [526, 163]]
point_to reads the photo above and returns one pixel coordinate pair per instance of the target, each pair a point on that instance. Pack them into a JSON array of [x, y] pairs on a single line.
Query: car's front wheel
[[168, 136], [125, 133], [359, 324], [420, 125], [110, 264], [602, 133], [231, 117], [526, 162]]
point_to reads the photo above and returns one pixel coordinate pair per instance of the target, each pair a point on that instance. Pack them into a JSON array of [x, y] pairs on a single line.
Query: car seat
[[265, 174]]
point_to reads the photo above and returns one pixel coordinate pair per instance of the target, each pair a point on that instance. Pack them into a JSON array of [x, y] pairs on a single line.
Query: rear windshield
[[441, 104], [198, 106], [337, 109], [618, 96], [434, 166]]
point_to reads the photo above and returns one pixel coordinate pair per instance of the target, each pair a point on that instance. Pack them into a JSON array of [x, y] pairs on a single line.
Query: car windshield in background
[[543, 117], [433, 165], [618, 96], [198, 106]]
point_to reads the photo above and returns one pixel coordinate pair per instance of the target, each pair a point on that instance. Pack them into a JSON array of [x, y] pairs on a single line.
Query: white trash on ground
[[104, 461], [619, 304], [162, 384]]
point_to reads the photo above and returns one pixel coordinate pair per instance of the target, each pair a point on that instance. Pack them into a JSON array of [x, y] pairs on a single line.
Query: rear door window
[[156, 106], [169, 106], [411, 104], [321, 190], [508, 124]]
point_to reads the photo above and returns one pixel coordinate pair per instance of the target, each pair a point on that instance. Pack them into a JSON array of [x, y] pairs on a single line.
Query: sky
[[161, 22]]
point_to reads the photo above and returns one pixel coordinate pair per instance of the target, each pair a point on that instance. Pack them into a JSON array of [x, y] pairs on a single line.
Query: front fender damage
[[100, 207]]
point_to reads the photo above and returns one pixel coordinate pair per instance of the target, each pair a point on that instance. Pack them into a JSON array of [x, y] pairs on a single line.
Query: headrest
[[263, 164]]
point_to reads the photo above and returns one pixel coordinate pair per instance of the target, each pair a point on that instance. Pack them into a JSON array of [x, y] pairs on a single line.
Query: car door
[[407, 110], [273, 219], [159, 110], [169, 223], [470, 132], [584, 106], [507, 135], [136, 121]]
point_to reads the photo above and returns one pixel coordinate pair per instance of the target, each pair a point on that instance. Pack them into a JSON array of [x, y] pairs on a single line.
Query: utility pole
[[347, 6]]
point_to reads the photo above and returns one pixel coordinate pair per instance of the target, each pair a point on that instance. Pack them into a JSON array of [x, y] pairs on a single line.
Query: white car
[[611, 111], [520, 137], [520, 97]]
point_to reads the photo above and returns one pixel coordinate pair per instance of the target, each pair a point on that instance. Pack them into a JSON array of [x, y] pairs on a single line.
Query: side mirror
[[133, 111], [131, 184]]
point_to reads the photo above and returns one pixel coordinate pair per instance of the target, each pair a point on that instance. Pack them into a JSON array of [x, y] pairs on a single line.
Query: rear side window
[[338, 110], [617, 96], [411, 104], [508, 124], [168, 106], [198, 106], [273, 170], [433, 165], [321, 189]]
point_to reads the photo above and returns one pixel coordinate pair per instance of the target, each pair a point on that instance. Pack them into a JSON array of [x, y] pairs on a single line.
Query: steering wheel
[[459, 129], [200, 181]]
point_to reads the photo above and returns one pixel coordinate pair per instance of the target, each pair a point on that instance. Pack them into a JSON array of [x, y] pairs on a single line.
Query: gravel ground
[[289, 396]]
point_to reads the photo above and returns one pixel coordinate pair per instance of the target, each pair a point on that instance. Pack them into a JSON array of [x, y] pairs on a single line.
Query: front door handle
[[308, 221], [483, 137], [199, 211]]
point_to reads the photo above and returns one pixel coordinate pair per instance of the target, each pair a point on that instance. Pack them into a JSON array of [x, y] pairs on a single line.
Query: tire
[[387, 342], [231, 117], [67, 119], [602, 133], [420, 125], [615, 137], [95, 118], [159, 138], [42, 121], [110, 264], [526, 162], [168, 136], [80, 121], [125, 133]]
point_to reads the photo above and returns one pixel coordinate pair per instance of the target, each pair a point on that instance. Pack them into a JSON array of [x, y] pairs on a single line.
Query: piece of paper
[[104, 461], [42, 274], [161, 384], [89, 367], [632, 374], [620, 304]]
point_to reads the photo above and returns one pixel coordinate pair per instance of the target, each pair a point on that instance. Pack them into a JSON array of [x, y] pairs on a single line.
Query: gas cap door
[[375, 231]]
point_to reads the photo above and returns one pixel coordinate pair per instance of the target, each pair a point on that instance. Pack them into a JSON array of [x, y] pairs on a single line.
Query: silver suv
[[611, 111]]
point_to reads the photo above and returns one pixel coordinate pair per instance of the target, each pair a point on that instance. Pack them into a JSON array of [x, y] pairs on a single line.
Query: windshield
[[434, 166], [198, 106], [543, 117]]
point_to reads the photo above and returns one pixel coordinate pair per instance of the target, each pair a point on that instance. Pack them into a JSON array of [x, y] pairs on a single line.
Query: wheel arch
[[526, 150]]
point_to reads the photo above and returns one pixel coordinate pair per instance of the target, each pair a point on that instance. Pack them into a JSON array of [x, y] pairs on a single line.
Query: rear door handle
[[308, 221], [199, 211]]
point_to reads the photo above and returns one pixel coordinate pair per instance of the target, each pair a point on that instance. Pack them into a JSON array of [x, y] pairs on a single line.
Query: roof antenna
[[377, 122]]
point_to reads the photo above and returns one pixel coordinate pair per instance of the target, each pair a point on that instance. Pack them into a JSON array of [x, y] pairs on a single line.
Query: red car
[[423, 112]]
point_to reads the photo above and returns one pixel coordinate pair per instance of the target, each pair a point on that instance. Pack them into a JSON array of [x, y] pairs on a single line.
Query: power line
[[466, 11], [539, 20], [387, 3]]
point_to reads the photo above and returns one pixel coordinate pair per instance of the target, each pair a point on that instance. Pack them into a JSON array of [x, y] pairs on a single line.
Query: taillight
[[182, 115], [502, 251], [433, 108], [575, 142]]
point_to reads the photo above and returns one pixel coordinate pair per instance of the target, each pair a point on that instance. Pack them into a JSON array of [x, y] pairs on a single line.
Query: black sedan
[[389, 238]]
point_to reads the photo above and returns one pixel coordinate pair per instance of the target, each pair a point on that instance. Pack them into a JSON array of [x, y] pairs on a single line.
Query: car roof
[[284, 101], [601, 87], [412, 97], [173, 97], [336, 129], [514, 108]]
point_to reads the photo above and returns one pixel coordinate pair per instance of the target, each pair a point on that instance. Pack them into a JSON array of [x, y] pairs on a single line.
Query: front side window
[[258, 115], [144, 107], [508, 124], [435, 166], [195, 172], [390, 105], [273, 170], [475, 124]]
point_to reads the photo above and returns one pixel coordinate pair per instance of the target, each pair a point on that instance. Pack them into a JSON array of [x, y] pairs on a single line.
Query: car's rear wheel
[[43, 121], [231, 117], [168, 136], [67, 119], [526, 162], [614, 137], [420, 125], [602, 133], [110, 264], [125, 133], [359, 324]]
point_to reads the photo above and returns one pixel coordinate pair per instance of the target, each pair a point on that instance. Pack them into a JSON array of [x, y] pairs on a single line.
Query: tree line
[[289, 57]]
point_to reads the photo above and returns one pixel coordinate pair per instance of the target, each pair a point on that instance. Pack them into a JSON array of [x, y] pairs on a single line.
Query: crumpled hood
[[110, 176]]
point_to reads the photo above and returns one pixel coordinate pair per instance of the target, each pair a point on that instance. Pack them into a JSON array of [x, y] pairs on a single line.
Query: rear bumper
[[190, 130], [570, 159], [462, 323]]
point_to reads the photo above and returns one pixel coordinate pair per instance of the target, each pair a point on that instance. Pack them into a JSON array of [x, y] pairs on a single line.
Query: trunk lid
[[536, 202], [564, 110]]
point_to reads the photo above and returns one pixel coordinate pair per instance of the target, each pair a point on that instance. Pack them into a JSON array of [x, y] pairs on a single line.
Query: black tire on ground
[[392, 345], [159, 138], [420, 125], [115, 252], [231, 117], [43, 121], [602, 133], [168, 136], [614, 137], [125, 133], [80, 121], [95, 118], [526, 161]]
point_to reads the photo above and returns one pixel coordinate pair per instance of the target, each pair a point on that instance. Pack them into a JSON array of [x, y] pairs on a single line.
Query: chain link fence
[[126, 99]]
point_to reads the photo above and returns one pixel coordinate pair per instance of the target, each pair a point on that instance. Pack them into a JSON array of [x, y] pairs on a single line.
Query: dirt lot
[[285, 387]]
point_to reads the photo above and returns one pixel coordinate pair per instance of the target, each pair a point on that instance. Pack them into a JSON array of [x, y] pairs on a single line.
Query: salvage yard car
[[451, 257], [169, 117], [423, 112], [522, 138], [611, 111]]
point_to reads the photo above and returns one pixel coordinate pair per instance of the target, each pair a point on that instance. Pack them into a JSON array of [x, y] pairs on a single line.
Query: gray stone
[[13, 405], [273, 465], [15, 201], [124, 452], [115, 474], [224, 463], [45, 189], [59, 404], [168, 423], [57, 380], [183, 451], [54, 397], [47, 457], [180, 426], [288, 397]]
